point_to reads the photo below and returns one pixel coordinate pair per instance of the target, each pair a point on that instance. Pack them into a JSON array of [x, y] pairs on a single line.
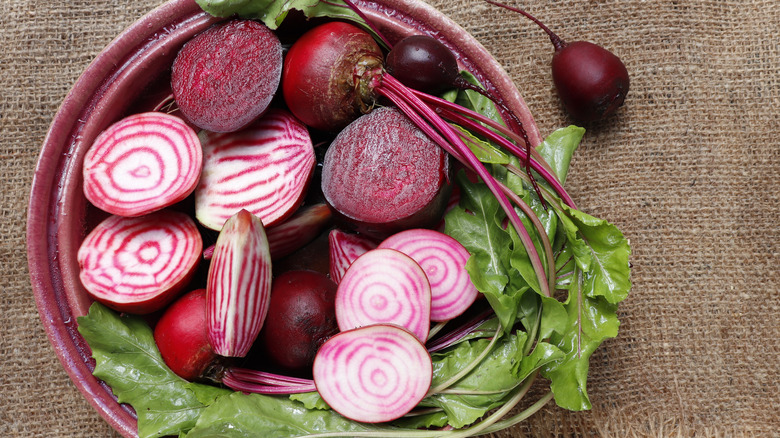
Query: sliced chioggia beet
[[294, 233], [382, 175], [226, 76], [385, 286], [264, 169], [444, 261], [238, 285], [138, 265], [141, 164], [373, 374], [344, 248], [301, 228]]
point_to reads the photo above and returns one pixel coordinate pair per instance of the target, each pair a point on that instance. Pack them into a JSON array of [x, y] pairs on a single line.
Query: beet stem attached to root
[[446, 73], [591, 81]]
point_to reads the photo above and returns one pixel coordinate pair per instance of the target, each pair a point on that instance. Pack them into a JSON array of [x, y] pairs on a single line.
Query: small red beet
[[182, 339]]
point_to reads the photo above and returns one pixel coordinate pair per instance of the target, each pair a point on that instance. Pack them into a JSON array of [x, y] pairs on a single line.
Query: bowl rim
[[50, 248]]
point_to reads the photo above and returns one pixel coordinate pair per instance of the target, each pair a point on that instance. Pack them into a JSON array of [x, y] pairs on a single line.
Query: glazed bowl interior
[[132, 71]]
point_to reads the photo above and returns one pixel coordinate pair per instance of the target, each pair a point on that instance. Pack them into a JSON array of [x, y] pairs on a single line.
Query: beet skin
[[382, 175], [301, 317]]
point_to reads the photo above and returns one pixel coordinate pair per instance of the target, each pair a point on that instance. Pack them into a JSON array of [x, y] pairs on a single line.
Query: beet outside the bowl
[[58, 210]]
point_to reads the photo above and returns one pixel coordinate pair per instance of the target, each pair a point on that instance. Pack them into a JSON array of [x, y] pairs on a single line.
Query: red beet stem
[[460, 115], [259, 382], [449, 139], [555, 39]]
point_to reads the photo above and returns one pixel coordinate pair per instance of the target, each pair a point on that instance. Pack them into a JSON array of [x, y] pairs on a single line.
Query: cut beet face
[[382, 175], [141, 164], [384, 286], [226, 77], [138, 265], [444, 261], [344, 248], [264, 168], [373, 374], [238, 286]]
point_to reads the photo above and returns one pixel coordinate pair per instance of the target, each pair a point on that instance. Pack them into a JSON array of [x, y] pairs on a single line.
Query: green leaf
[[543, 354], [476, 224], [483, 388], [601, 252], [254, 415], [476, 101], [312, 400], [484, 151], [558, 148], [591, 320], [273, 12], [128, 361]]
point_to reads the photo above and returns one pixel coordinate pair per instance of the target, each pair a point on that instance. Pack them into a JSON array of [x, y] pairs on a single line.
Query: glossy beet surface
[[326, 74], [591, 81], [182, 338], [301, 317], [423, 63], [120, 75]]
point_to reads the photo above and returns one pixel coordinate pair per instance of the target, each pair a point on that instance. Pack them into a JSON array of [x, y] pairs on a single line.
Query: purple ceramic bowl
[[59, 215]]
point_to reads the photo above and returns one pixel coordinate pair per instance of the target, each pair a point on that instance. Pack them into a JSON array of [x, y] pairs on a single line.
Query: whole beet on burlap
[[689, 170]]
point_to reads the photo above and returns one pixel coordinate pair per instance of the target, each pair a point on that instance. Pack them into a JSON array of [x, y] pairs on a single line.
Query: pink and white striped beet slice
[[264, 168], [138, 265], [444, 261], [384, 286], [345, 248], [238, 285], [141, 164], [373, 374]]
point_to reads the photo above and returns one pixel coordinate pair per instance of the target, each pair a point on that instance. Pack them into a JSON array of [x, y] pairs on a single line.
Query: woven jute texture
[[689, 170]]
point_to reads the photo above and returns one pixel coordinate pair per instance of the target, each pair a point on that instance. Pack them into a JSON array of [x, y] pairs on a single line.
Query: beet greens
[[528, 246]]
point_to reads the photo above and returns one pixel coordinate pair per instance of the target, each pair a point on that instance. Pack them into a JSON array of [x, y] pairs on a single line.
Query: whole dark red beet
[[591, 81], [226, 76], [301, 317], [423, 63], [382, 174], [182, 339]]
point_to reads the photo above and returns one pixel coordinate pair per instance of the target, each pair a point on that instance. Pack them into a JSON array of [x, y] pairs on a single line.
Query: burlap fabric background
[[690, 171]]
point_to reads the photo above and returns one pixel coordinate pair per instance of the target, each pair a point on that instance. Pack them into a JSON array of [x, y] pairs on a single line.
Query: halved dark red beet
[[226, 77], [382, 174]]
